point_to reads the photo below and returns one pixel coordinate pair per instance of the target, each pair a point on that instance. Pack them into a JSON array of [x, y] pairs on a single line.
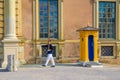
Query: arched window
[[47, 19]]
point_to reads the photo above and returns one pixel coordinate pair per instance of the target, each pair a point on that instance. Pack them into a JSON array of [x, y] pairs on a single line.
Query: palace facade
[[25, 26]]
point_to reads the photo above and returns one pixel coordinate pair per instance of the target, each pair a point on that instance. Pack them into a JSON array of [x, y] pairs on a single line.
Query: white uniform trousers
[[49, 57]]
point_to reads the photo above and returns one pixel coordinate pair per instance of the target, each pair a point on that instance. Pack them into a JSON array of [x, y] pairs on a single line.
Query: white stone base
[[10, 47]]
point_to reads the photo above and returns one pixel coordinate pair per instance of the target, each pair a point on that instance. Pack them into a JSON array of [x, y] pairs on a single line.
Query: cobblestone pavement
[[63, 72]]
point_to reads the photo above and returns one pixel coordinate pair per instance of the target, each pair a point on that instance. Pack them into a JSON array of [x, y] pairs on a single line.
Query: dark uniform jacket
[[50, 50]]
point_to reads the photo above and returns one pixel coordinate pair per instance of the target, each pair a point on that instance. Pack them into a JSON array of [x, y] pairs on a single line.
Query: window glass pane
[[41, 20], [51, 13], [41, 13], [41, 35], [45, 25], [103, 35], [45, 7], [45, 13], [45, 30], [46, 35], [51, 23], [41, 25], [113, 5], [41, 29]]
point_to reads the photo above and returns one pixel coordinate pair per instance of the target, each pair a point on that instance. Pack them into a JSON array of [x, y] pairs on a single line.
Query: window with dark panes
[[48, 18], [107, 20]]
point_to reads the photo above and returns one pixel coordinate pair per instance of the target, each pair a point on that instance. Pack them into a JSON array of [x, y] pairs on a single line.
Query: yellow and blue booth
[[88, 44]]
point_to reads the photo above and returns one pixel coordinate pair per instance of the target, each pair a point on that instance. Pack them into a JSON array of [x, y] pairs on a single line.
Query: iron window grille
[[106, 50]]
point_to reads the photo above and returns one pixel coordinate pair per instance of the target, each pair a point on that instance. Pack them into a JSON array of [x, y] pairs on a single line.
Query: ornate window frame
[[36, 20], [96, 16]]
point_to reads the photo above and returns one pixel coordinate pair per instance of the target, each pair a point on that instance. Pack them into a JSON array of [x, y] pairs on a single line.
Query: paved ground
[[63, 72]]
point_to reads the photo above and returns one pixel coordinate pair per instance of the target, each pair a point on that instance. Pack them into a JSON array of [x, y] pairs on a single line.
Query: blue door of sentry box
[[91, 48]]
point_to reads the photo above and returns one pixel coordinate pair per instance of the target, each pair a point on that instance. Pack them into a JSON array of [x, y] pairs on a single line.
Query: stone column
[[10, 15], [10, 41]]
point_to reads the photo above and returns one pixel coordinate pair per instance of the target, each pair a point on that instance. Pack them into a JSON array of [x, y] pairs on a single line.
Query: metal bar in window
[[106, 33], [48, 19]]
